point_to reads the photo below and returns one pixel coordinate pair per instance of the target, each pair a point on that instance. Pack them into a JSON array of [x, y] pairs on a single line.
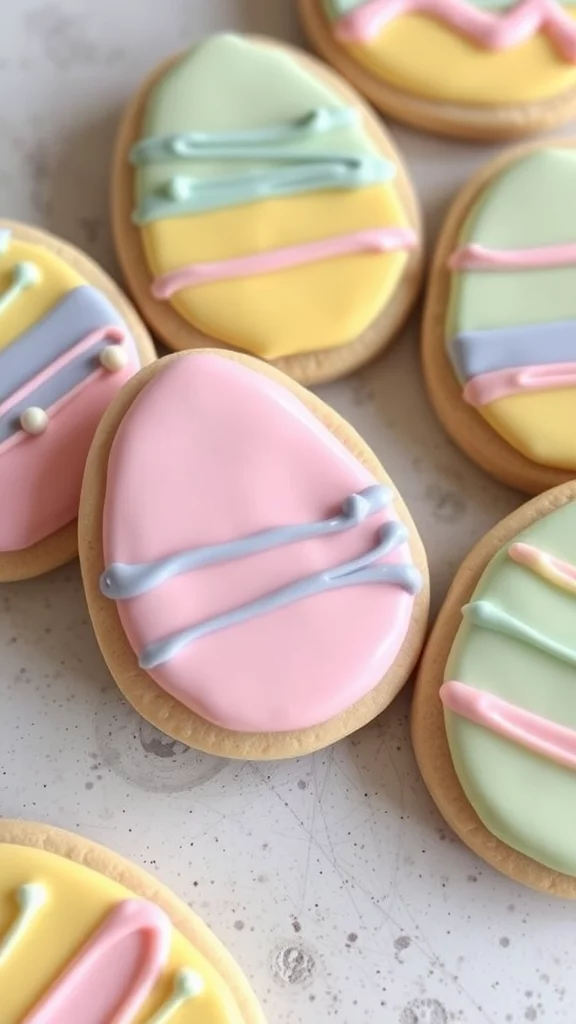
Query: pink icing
[[479, 257], [492, 31], [370, 240], [212, 451], [546, 565], [43, 473], [488, 387], [550, 740], [112, 975]]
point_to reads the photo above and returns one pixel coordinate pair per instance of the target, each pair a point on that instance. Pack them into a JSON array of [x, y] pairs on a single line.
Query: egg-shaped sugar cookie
[[69, 340], [494, 713], [475, 69], [499, 334], [88, 938], [256, 584], [259, 205]]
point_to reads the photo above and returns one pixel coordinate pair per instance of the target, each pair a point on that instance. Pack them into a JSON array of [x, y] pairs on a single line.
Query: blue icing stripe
[[476, 352], [182, 195], [80, 312]]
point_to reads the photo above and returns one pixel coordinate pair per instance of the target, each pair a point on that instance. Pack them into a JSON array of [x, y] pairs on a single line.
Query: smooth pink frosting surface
[[114, 973], [212, 451], [43, 474]]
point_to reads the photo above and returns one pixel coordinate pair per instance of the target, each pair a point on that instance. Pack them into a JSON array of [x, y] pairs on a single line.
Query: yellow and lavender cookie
[[479, 69], [494, 713], [256, 584], [260, 205], [499, 336], [69, 340], [87, 938]]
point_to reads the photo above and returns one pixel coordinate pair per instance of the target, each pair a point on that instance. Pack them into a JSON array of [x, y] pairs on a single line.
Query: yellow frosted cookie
[[477, 69], [259, 205]]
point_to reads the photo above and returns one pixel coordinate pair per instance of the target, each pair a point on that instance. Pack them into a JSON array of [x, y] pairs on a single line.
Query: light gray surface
[[332, 878]]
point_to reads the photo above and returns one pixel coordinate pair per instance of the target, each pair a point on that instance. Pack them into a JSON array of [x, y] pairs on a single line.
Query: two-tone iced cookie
[[499, 336], [69, 340], [258, 203], [478, 69], [494, 714], [87, 937], [256, 584]]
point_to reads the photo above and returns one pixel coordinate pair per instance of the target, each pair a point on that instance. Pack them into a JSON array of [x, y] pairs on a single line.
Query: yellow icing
[[56, 279], [541, 425], [307, 308], [423, 56], [78, 901]]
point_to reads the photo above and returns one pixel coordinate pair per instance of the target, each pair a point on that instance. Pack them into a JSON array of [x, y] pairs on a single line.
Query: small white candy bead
[[34, 420], [113, 358]]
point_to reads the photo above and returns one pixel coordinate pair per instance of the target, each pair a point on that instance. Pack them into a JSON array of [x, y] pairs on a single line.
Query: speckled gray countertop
[[332, 878]]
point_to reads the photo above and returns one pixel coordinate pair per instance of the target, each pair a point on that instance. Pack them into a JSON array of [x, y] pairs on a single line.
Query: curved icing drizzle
[[356, 572], [243, 144], [491, 31], [120, 580], [489, 387], [481, 257], [488, 616], [554, 570], [30, 897], [542, 736], [377, 240], [183, 194], [187, 985], [60, 384], [480, 352], [128, 920], [24, 275]]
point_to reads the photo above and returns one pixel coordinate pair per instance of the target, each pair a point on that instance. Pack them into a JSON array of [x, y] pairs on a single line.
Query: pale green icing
[[30, 898], [338, 8], [227, 85], [187, 985], [522, 798], [530, 204]]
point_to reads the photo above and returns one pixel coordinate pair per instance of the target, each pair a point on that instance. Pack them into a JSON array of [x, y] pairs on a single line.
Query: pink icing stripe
[[115, 335], [550, 740], [112, 975], [488, 387], [479, 257], [492, 31], [555, 570], [370, 240]]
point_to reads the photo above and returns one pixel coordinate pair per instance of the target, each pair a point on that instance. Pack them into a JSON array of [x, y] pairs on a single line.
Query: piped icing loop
[[249, 166], [509, 694], [183, 194], [120, 581], [512, 311], [30, 899], [354, 573], [243, 144]]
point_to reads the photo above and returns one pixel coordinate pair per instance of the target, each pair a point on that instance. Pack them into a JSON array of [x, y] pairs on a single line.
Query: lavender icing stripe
[[81, 311], [503, 348], [357, 572], [120, 580]]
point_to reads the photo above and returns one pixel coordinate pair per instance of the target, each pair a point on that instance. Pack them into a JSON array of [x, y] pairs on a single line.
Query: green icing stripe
[[183, 195], [231, 101], [243, 145], [520, 647]]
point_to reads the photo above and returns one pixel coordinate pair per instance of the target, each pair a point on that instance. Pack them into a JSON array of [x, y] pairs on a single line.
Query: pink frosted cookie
[[69, 341], [256, 584]]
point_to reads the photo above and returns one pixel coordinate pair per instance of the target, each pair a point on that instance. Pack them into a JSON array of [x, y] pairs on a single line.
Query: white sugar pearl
[[34, 420], [113, 358]]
